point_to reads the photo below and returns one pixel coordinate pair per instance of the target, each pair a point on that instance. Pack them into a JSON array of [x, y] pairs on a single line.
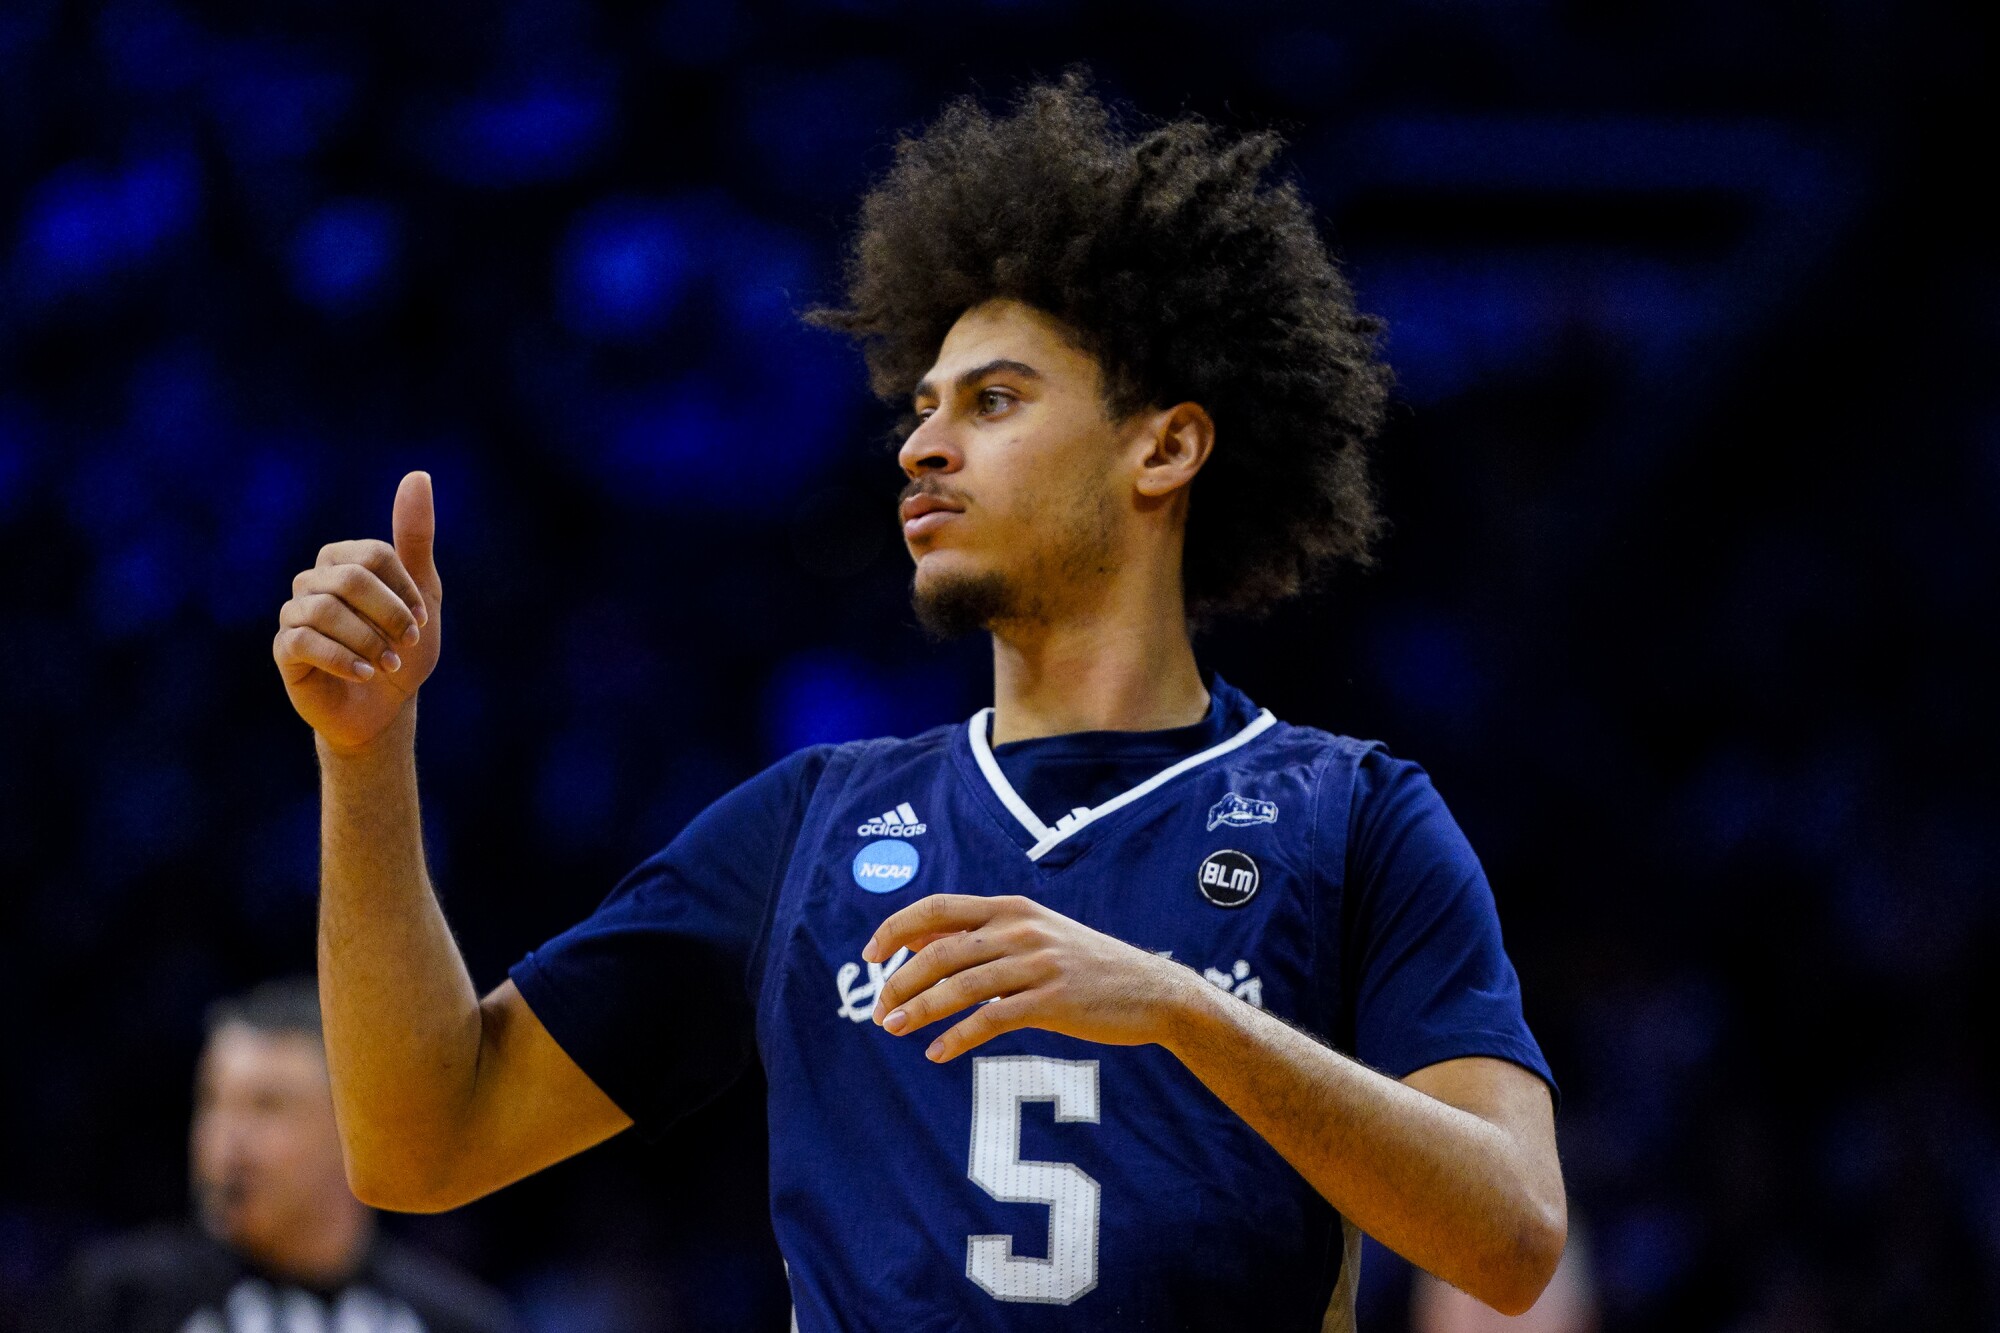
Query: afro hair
[[1185, 272]]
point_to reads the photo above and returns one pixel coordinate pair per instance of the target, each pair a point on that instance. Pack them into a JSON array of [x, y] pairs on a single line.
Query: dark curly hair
[[1188, 277]]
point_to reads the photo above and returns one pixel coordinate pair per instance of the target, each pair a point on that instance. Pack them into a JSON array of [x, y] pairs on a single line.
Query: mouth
[[924, 514]]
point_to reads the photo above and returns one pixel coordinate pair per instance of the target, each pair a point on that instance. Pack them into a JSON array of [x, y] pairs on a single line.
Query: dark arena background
[[1688, 608]]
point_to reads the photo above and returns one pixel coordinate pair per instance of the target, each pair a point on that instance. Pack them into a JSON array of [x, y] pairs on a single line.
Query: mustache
[[931, 486]]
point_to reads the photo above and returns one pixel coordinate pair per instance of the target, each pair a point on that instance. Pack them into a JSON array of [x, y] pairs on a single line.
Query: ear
[[1181, 438]]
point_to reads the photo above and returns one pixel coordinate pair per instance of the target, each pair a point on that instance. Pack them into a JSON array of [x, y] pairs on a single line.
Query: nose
[[930, 448]]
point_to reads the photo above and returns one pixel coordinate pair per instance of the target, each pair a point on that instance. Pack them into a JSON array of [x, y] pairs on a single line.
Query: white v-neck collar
[[1046, 837]]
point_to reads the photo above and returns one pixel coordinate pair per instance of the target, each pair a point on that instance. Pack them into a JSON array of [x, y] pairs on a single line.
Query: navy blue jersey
[[1040, 1181]]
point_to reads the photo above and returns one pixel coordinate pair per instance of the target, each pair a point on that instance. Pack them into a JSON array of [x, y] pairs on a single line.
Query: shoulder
[[1337, 762], [774, 796], [1364, 793], [927, 744], [834, 765], [1369, 766], [1298, 738], [447, 1298], [167, 1254], [139, 1280], [807, 767]]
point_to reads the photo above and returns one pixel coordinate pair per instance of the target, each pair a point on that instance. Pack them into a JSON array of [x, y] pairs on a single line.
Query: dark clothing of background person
[[178, 1279]]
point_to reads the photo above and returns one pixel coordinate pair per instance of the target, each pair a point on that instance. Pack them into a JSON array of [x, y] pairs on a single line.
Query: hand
[[1047, 971], [360, 633]]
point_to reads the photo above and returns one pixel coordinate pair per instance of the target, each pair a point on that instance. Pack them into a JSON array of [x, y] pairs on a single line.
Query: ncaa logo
[[1227, 878], [885, 865]]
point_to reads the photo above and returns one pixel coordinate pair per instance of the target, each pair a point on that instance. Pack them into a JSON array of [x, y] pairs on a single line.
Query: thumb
[[414, 527]]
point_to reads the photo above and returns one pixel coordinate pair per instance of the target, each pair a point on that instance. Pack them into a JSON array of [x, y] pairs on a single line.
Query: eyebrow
[[1021, 368]]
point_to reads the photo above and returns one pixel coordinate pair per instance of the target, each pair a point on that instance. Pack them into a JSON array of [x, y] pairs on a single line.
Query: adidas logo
[[901, 822]]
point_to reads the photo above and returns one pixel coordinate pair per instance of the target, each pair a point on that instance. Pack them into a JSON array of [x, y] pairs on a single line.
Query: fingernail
[[894, 1022], [931, 1053], [411, 635], [362, 669], [391, 661], [423, 614]]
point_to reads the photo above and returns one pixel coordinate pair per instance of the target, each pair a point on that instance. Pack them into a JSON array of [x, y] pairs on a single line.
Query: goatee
[[948, 608]]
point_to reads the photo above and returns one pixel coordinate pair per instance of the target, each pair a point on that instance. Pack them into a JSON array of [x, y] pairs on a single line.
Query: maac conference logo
[[902, 822], [1241, 812], [1227, 878], [885, 865]]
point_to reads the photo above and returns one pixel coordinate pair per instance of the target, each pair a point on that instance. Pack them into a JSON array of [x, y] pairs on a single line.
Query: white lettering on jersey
[[1000, 1083], [1238, 982], [857, 998]]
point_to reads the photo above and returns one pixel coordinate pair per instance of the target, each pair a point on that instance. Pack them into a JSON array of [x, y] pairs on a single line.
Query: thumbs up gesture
[[360, 633]]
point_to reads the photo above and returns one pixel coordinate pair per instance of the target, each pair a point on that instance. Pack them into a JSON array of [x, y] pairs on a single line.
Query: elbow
[[384, 1190], [1530, 1263], [397, 1186]]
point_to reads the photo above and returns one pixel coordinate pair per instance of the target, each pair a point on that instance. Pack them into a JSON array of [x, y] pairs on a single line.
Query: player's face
[[1012, 510], [264, 1150]]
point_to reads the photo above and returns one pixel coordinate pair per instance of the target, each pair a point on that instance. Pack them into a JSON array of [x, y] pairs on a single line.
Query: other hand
[[1034, 968]]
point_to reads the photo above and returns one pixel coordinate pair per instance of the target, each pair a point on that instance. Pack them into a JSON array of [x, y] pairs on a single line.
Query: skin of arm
[[1454, 1168], [440, 1097]]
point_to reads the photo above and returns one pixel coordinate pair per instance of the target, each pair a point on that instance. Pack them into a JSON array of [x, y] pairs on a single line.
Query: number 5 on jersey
[[1000, 1083]]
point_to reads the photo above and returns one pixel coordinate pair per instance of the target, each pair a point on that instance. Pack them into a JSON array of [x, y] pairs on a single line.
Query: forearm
[[1446, 1189], [402, 1018]]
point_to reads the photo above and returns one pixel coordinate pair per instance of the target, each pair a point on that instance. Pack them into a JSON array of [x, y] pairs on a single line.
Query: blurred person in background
[[280, 1244]]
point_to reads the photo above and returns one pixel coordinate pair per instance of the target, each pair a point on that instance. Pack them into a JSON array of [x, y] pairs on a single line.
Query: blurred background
[[1688, 610]]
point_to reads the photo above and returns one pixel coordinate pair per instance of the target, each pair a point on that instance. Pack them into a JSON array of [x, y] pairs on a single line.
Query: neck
[[1125, 664]]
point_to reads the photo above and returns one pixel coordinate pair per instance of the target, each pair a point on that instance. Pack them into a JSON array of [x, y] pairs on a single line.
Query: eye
[[988, 397]]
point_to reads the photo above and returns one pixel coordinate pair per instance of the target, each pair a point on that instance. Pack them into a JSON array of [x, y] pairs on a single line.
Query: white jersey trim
[[1046, 837]]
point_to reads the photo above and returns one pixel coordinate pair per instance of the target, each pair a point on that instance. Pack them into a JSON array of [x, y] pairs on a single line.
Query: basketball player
[[1121, 1004]]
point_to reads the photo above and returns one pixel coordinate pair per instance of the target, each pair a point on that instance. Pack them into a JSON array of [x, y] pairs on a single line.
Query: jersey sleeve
[[1425, 975], [651, 994]]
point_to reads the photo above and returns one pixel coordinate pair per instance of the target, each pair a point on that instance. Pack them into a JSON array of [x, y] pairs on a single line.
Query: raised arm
[[441, 1097]]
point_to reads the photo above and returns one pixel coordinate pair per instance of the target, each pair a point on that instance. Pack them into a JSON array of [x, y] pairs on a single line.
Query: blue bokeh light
[[83, 224], [261, 504], [622, 267], [141, 582], [821, 697], [545, 132], [345, 255]]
